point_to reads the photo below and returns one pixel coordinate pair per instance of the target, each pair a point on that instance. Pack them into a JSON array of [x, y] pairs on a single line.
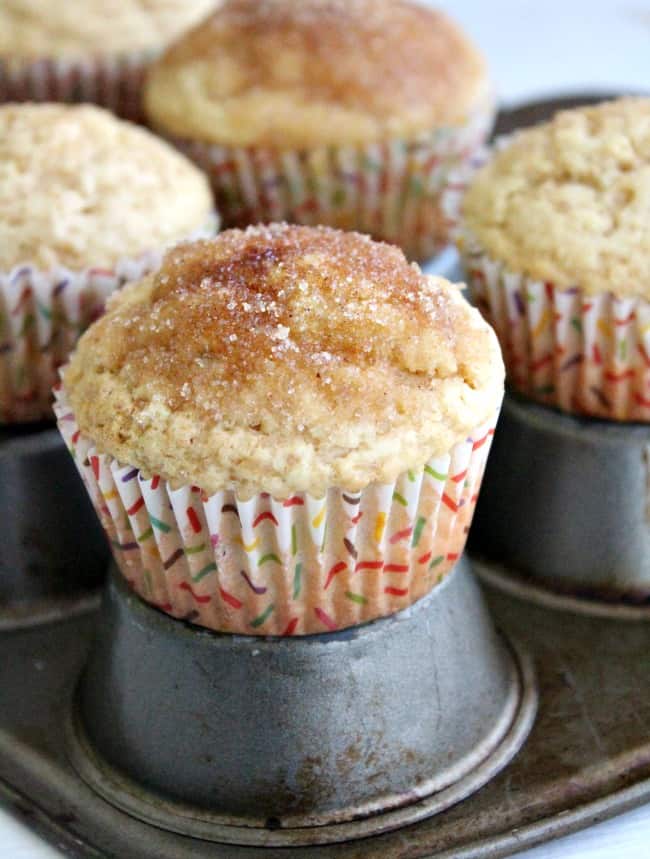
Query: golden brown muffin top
[[569, 201], [293, 74], [80, 188], [284, 359]]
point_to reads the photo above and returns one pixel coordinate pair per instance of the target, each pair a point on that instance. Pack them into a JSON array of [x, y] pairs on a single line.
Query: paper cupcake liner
[[582, 353], [296, 566], [112, 82], [43, 314], [391, 190]]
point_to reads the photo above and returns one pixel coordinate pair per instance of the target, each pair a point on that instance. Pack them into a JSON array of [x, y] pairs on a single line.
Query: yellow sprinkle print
[[379, 527], [250, 546], [544, 321], [645, 329], [604, 328], [318, 520], [109, 496]]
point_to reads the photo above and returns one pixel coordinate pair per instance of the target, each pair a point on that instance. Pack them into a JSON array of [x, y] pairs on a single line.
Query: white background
[[535, 47]]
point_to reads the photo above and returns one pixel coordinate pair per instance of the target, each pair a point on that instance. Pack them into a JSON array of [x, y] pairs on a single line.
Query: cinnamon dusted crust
[[31, 29], [569, 201], [284, 359], [80, 188], [315, 72]]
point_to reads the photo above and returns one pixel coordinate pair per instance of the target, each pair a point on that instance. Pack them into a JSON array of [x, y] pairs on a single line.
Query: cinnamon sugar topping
[[288, 358]]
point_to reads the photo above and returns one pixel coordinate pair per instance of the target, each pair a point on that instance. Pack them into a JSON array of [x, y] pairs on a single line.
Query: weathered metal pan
[[565, 505], [301, 740], [53, 555], [587, 757]]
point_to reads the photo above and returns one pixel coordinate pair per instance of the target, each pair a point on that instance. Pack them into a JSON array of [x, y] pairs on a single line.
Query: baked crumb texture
[[87, 203], [284, 430], [33, 29], [557, 253], [284, 359], [80, 188], [87, 50], [352, 114]]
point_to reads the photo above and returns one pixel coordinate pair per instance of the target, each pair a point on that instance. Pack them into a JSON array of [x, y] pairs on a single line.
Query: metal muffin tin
[[586, 758], [136, 758], [565, 505], [53, 553], [293, 738]]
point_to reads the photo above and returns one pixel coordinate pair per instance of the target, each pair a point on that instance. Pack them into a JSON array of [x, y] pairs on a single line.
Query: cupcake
[[87, 51], [87, 203], [284, 429], [349, 113], [556, 246]]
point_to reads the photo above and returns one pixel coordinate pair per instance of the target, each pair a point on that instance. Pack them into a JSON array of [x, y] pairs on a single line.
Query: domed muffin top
[[284, 359], [80, 188], [569, 201], [287, 74], [87, 28]]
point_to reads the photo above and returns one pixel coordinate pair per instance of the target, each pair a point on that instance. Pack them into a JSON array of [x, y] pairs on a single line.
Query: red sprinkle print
[[193, 519], [449, 502], [94, 462], [458, 477], [325, 619], [291, 626], [155, 481], [293, 502], [478, 444], [453, 556], [611, 376], [337, 568], [425, 558], [230, 599], [133, 509], [368, 565], [266, 515], [396, 592], [396, 568], [185, 586], [401, 535]]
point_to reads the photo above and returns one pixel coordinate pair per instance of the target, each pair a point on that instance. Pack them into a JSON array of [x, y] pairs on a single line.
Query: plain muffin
[[80, 188], [344, 112], [87, 50], [291, 425], [87, 203], [557, 248]]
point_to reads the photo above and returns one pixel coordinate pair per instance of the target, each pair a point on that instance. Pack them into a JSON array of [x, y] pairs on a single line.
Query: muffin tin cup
[[112, 82], [53, 554], [565, 507], [585, 354], [43, 314], [295, 566], [314, 739], [391, 190]]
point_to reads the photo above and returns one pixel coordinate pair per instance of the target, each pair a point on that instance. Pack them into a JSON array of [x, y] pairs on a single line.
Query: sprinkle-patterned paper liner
[[296, 566], [43, 314], [585, 354], [112, 82], [390, 190]]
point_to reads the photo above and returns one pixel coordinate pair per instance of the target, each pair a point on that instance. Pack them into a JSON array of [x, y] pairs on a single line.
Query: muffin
[[349, 113], [556, 246], [284, 429], [87, 51], [87, 203]]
